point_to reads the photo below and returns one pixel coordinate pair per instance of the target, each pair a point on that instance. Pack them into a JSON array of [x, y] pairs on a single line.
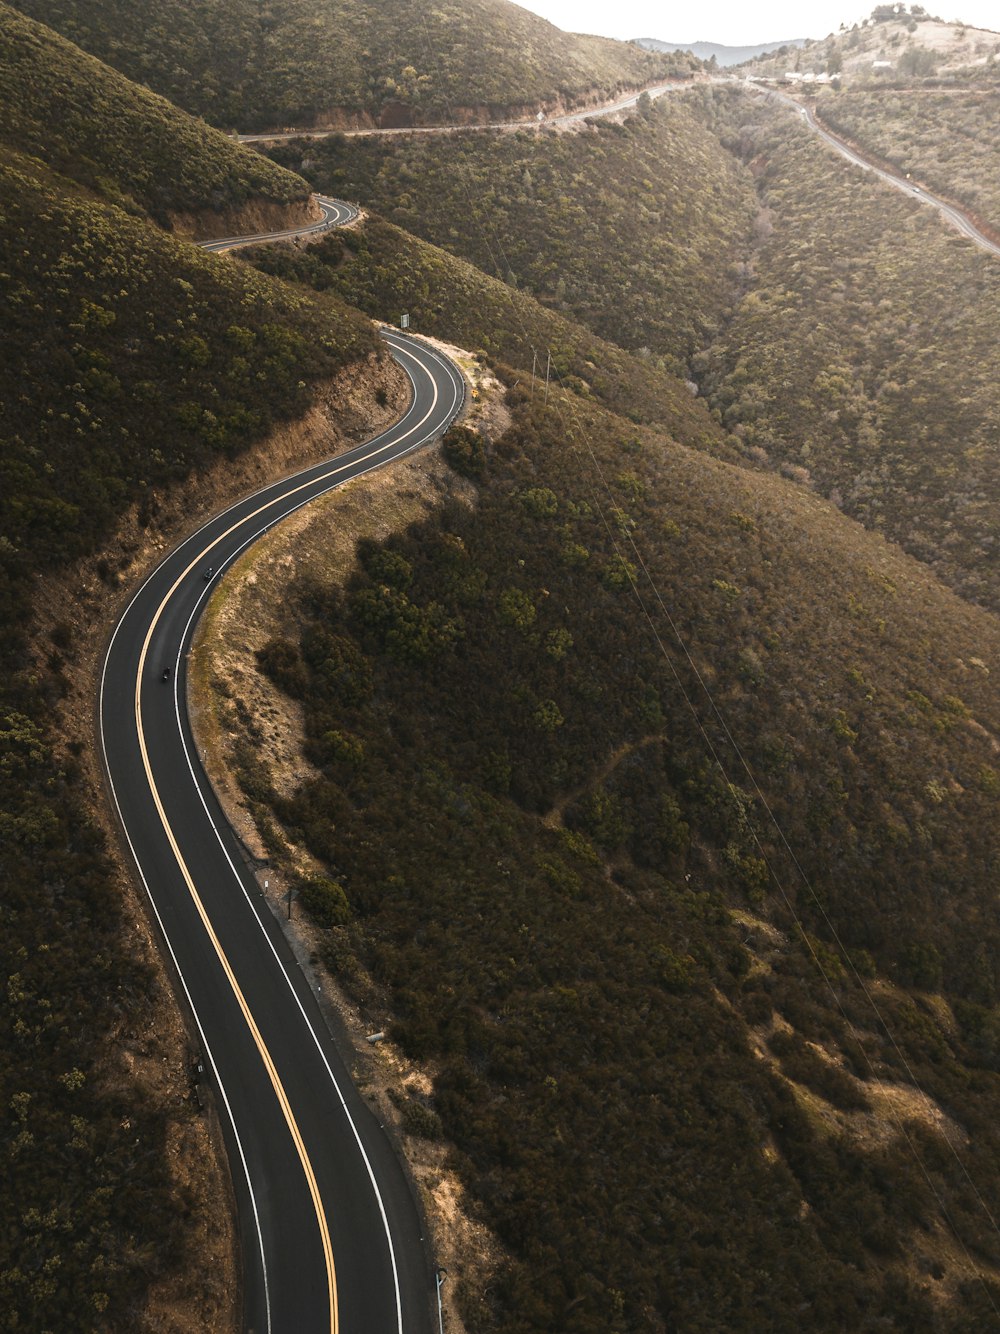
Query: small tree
[[465, 451]]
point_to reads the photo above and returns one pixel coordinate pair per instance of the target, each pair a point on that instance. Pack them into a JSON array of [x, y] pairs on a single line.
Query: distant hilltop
[[724, 55]]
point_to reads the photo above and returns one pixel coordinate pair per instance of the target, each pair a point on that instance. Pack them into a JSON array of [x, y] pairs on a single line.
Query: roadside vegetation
[[862, 359], [947, 139], [665, 1098], [122, 143], [130, 361], [298, 62], [633, 229], [386, 271], [695, 1069], [162, 359]]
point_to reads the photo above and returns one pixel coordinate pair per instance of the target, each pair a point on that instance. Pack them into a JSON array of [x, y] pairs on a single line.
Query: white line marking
[[180, 974], [457, 384]]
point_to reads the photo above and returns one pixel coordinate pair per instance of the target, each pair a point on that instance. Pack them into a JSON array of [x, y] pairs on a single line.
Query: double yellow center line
[[265, 1055], [268, 1060]]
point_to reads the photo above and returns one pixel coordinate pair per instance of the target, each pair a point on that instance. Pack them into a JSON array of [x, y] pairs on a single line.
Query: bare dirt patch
[[936, 1262], [939, 1265]]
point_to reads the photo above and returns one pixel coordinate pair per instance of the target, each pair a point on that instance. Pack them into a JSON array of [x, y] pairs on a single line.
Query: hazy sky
[[734, 22]]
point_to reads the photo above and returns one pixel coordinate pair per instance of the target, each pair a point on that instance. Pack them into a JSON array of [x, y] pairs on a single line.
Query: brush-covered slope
[[701, 1071], [635, 230], [949, 139], [296, 62], [123, 142], [863, 356], [685, 1091], [130, 361], [383, 270], [162, 358]]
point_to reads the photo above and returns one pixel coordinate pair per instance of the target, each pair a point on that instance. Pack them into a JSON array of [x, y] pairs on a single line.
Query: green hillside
[[130, 362], [863, 358], [123, 143], [946, 139], [696, 1077], [635, 230], [297, 62], [385, 271], [914, 91], [650, 798], [661, 1065], [163, 358]]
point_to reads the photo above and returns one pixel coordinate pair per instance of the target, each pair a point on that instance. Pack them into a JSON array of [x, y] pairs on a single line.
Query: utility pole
[[548, 362], [534, 359], [439, 1277]]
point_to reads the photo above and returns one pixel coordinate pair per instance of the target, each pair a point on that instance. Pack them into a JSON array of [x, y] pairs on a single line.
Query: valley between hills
[[610, 917]]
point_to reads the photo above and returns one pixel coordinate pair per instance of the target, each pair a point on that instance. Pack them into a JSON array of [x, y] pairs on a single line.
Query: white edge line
[[336, 213], [251, 902], [457, 381], [261, 491], [180, 975]]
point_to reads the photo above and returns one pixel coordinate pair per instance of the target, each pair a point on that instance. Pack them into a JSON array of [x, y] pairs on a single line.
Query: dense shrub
[[574, 915], [947, 140], [863, 359], [116, 138], [129, 360], [634, 230], [300, 60]]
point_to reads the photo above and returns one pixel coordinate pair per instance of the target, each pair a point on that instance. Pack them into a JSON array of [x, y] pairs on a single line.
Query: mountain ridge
[[723, 55], [644, 1044], [300, 61], [130, 146]]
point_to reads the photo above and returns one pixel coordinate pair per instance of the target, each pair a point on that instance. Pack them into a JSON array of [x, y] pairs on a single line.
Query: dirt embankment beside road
[[250, 219], [241, 718], [149, 1055]]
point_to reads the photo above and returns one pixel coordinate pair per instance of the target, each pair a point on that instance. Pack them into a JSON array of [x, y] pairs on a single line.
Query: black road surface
[[331, 1239], [335, 214]]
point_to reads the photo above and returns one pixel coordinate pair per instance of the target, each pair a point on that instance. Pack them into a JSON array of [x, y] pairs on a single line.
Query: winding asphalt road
[[330, 1235], [335, 214], [568, 118], [948, 211]]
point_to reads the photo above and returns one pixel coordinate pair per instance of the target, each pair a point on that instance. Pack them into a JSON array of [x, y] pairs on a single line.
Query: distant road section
[[570, 118], [335, 214], [948, 211]]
